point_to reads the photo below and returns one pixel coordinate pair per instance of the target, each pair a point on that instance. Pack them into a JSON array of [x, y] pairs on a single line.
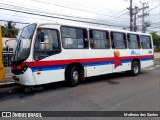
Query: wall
[[10, 42]]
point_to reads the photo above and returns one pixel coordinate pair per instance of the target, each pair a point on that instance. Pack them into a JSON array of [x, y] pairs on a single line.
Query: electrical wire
[[97, 20], [53, 13], [15, 22], [73, 8], [153, 8], [59, 17], [86, 6]]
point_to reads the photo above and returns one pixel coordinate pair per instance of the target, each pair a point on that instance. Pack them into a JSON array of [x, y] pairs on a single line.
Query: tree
[[156, 40], [9, 30]]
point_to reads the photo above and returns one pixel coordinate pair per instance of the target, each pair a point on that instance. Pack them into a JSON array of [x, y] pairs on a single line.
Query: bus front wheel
[[135, 68], [73, 76]]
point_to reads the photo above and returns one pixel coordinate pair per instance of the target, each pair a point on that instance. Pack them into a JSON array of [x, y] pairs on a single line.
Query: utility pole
[[144, 6], [131, 15], [135, 11]]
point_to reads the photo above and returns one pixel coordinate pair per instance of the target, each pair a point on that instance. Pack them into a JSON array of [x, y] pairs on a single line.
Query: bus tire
[[73, 76], [135, 68]]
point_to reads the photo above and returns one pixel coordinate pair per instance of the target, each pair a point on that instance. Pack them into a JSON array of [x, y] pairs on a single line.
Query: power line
[[60, 17], [34, 10], [153, 8], [118, 16], [77, 4], [23, 16], [52, 13], [120, 12], [27, 17], [90, 4], [47, 0], [14, 22], [73, 8], [17, 7], [65, 15]]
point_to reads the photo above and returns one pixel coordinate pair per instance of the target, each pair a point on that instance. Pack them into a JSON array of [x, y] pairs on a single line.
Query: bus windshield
[[23, 42]]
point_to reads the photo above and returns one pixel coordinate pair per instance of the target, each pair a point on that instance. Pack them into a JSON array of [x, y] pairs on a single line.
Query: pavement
[[8, 81]]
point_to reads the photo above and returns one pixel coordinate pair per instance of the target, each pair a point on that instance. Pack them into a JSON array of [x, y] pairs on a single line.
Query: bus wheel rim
[[135, 69], [75, 75]]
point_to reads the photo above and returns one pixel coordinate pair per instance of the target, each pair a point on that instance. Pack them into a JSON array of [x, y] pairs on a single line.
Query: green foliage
[[156, 41], [9, 30]]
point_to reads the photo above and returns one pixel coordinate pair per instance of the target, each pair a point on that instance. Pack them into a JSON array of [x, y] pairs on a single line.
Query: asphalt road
[[113, 92]]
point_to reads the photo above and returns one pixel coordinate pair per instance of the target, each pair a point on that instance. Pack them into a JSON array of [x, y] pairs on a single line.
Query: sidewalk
[[8, 81], [157, 55]]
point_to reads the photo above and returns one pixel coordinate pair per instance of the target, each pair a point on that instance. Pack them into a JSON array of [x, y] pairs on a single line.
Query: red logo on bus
[[117, 60]]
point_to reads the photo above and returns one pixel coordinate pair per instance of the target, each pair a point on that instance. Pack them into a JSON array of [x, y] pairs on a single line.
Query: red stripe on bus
[[58, 62], [133, 57], [88, 60], [18, 67]]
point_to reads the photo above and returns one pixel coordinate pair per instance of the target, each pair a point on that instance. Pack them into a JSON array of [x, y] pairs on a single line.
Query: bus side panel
[[98, 70], [124, 64], [123, 67], [48, 76], [147, 62], [101, 66]]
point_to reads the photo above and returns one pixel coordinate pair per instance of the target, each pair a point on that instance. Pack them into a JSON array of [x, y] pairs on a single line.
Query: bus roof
[[91, 26]]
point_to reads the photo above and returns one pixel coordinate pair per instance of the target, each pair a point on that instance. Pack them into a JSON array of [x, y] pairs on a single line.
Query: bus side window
[[145, 42], [118, 40], [133, 41], [99, 39], [74, 38]]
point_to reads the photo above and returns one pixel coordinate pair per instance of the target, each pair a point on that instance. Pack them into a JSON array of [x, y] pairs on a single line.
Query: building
[[8, 42]]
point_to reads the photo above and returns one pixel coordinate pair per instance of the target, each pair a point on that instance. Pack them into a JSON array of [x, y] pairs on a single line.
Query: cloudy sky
[[114, 13]]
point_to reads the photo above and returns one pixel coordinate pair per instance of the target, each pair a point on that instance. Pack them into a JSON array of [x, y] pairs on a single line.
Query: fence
[[7, 57]]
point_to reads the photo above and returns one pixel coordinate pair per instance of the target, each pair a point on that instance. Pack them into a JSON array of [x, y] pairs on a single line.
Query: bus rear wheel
[[135, 68], [73, 76]]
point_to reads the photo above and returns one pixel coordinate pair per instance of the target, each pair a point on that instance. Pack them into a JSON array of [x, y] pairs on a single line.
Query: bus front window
[[23, 43]]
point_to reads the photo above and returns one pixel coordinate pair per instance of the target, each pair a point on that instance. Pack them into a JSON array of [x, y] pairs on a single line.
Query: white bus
[[52, 52]]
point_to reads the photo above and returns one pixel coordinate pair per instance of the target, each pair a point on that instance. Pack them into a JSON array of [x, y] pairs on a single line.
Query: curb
[[8, 84]]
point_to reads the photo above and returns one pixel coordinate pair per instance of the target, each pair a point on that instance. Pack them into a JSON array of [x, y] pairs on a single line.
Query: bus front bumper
[[24, 79]]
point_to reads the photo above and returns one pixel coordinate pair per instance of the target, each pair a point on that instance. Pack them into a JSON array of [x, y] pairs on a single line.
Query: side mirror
[[41, 36]]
